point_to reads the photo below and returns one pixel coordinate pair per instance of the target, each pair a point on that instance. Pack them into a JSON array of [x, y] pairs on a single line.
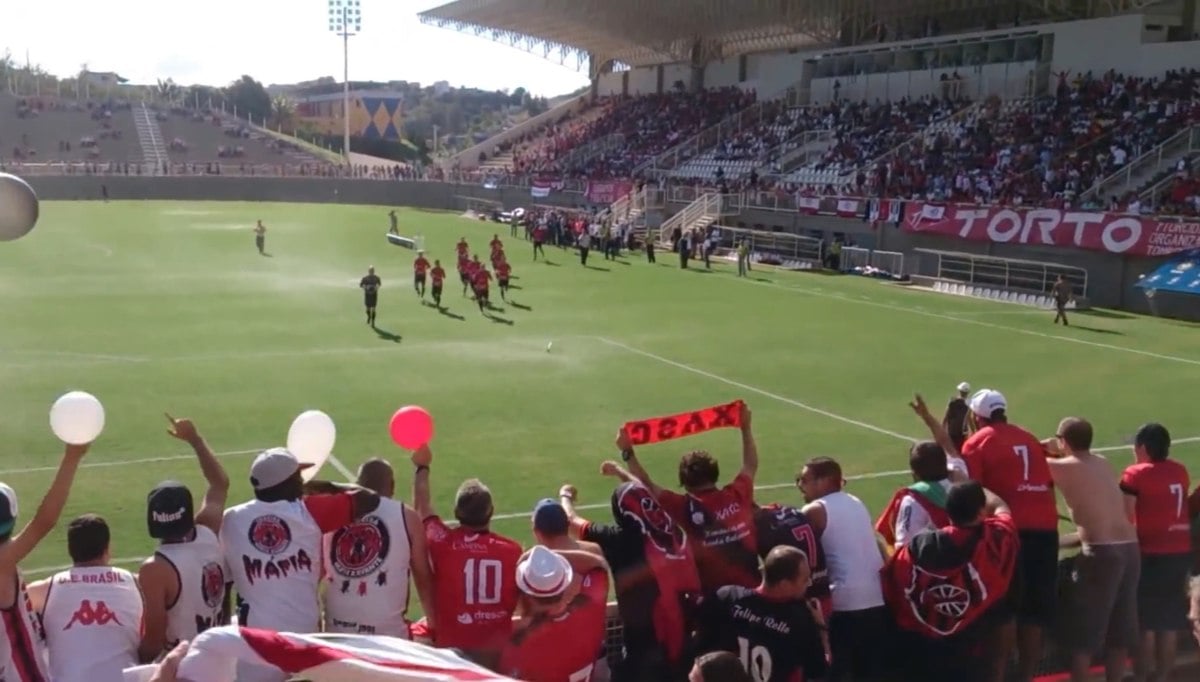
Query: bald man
[[368, 563], [1105, 580]]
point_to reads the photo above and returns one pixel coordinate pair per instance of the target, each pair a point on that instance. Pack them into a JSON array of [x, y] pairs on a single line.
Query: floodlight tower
[[345, 19]]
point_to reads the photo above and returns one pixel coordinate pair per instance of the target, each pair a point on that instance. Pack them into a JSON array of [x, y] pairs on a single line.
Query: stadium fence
[[858, 257], [774, 248], [1008, 273]]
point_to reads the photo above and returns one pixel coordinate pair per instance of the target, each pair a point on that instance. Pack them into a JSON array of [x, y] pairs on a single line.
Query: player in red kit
[[474, 569], [420, 267], [462, 249], [562, 633], [469, 270], [503, 272], [438, 275], [464, 271], [1011, 462], [479, 282], [1156, 491]]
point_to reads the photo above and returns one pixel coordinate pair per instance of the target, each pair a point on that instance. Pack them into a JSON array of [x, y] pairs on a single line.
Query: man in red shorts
[[464, 272], [503, 272], [479, 282], [1011, 462], [474, 569], [420, 267]]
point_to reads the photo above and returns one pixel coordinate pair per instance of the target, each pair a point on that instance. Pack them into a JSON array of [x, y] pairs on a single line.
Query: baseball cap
[[964, 387], [985, 401], [274, 466], [544, 573], [549, 517], [8, 509], [169, 510]]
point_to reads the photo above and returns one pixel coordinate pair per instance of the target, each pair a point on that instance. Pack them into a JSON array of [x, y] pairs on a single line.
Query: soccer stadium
[[927, 271]]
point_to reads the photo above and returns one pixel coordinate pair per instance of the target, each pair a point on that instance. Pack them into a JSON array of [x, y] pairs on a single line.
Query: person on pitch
[[503, 273], [438, 277], [370, 285], [184, 582], [471, 269], [1062, 293], [464, 272], [395, 223], [420, 267], [495, 246], [260, 238], [462, 249], [23, 644], [479, 282]]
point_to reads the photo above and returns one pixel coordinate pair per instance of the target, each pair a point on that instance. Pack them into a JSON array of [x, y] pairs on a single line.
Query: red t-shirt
[[420, 266], [1161, 509], [562, 649], [480, 278], [539, 233], [1011, 462], [496, 245], [331, 512], [462, 248], [438, 275], [463, 263], [471, 268], [503, 270], [720, 523], [475, 586]]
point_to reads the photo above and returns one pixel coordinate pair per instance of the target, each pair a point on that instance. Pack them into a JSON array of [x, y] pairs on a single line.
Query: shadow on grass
[[445, 312], [385, 335], [551, 263], [498, 319], [1096, 330], [597, 268], [1104, 314], [518, 306]]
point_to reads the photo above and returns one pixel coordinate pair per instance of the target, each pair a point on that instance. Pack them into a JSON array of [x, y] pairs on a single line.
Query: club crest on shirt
[[212, 584], [270, 534], [359, 548]]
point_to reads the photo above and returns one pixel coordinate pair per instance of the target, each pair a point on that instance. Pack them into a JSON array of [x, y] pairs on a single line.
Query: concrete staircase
[[154, 147], [1142, 171]]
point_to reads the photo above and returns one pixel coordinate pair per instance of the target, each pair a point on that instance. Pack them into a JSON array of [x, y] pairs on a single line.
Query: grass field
[[167, 306]]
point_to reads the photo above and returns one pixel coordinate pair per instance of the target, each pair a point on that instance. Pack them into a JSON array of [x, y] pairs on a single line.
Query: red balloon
[[411, 427]]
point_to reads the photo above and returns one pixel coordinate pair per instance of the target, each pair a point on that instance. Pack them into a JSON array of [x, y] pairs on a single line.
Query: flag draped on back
[[214, 655]]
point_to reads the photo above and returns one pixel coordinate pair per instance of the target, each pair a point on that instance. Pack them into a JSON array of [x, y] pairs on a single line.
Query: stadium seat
[[1023, 299]]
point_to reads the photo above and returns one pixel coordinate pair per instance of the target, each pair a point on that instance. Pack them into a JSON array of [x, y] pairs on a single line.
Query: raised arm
[[212, 508], [958, 468], [636, 470], [566, 497], [422, 502], [422, 571], [47, 514], [749, 448]]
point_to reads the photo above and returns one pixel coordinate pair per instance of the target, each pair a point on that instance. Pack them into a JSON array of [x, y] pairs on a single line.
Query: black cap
[[8, 509], [169, 511], [1155, 439]]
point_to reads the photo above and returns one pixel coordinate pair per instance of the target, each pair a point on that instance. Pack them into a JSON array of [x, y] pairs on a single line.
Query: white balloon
[[18, 207], [77, 418], [311, 440]]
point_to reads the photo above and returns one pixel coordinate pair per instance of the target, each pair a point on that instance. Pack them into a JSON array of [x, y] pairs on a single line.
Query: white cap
[[544, 573], [964, 387], [986, 401], [274, 466]]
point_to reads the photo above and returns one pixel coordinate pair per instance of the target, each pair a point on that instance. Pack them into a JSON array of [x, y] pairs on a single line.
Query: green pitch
[[160, 307]]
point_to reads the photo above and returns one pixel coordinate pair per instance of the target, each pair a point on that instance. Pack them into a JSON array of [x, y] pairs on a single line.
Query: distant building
[[103, 79], [374, 114], [441, 87]]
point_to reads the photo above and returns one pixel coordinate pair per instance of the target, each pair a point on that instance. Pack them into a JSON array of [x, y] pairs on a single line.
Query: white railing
[[469, 157], [154, 151], [799, 149], [587, 152], [1134, 172]]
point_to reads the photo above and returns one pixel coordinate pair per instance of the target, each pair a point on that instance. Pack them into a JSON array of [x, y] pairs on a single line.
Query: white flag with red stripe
[[214, 655], [847, 208], [808, 205]]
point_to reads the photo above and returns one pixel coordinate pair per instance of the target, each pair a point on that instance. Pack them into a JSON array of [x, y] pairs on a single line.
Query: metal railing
[[710, 205], [469, 157], [1006, 273], [586, 152], [1130, 175], [799, 149], [858, 257]]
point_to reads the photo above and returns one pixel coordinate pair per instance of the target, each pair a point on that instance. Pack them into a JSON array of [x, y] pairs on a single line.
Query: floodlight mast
[[345, 19]]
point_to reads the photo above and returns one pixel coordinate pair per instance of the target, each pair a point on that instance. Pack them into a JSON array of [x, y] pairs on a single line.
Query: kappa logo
[[360, 548], [270, 535], [212, 584], [88, 615]]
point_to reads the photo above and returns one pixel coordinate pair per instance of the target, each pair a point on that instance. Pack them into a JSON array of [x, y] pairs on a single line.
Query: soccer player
[[420, 266], [479, 282], [462, 249], [1011, 462], [503, 272], [720, 521], [1155, 489], [496, 244], [260, 237], [539, 238], [474, 569], [91, 612], [438, 277], [771, 627], [395, 224], [183, 583], [370, 285], [464, 272], [23, 644]]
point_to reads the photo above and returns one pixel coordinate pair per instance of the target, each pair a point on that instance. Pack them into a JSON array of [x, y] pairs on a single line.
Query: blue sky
[[275, 41]]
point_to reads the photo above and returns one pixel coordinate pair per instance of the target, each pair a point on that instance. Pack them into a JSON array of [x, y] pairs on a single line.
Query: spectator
[[720, 521], [474, 569], [92, 612], [24, 638], [657, 586], [955, 421], [946, 587], [183, 582], [1154, 488], [859, 627], [272, 546], [1011, 462], [719, 666], [368, 563], [921, 505], [560, 636], [1105, 580], [783, 525], [771, 628]]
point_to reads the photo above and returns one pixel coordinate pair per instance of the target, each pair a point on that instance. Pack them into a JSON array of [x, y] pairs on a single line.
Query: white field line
[[590, 507], [864, 300], [96, 358]]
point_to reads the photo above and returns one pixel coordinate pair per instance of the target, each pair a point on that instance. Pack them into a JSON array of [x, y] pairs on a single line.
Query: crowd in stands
[[934, 589]]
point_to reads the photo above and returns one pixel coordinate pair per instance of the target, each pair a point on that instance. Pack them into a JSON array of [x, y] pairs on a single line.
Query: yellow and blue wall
[[373, 115]]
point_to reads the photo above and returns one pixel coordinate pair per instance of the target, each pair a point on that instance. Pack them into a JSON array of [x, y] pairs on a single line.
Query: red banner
[[607, 191], [658, 429], [1111, 232]]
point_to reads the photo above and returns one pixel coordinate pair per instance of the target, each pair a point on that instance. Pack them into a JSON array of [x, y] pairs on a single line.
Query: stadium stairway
[[1142, 171], [704, 211], [994, 293], [154, 147]]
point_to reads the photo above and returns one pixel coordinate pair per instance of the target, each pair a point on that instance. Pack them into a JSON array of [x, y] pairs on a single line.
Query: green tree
[[249, 98]]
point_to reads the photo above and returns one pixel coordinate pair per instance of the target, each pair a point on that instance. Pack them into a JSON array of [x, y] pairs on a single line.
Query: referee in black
[[370, 286]]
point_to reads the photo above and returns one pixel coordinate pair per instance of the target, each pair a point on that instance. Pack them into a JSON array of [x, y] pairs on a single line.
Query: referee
[[370, 286]]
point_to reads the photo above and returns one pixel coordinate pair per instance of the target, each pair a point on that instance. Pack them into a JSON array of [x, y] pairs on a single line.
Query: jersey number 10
[[483, 578], [755, 659]]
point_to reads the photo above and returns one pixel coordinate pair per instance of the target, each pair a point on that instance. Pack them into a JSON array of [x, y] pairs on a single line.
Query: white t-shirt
[[22, 640], [200, 567], [911, 518], [851, 553], [367, 574], [93, 622]]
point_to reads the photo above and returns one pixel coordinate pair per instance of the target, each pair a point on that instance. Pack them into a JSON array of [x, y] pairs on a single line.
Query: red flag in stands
[[657, 429]]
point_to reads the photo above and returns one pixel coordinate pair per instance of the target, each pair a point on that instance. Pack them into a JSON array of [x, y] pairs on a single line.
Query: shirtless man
[[1105, 579]]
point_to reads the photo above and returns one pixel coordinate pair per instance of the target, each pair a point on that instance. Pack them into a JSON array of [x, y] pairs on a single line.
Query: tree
[[83, 80], [282, 112], [168, 91], [249, 98]]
